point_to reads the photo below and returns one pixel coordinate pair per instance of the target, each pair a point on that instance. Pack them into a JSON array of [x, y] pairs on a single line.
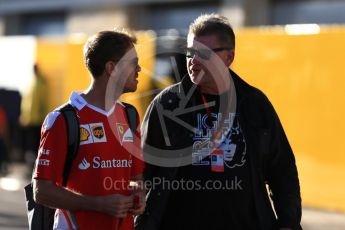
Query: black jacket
[[271, 159]]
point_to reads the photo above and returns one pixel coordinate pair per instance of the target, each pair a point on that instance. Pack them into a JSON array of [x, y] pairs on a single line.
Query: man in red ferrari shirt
[[98, 193]]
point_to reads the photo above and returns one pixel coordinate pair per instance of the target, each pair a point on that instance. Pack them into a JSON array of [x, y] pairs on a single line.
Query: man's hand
[[139, 203], [116, 205], [49, 194], [139, 194]]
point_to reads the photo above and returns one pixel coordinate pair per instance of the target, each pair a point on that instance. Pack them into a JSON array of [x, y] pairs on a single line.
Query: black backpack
[[41, 217]]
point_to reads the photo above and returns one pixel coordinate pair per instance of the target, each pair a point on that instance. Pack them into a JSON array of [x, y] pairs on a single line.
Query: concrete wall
[[91, 21]]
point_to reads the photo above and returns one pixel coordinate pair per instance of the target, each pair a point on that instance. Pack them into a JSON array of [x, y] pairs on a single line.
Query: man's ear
[[230, 57], [109, 67]]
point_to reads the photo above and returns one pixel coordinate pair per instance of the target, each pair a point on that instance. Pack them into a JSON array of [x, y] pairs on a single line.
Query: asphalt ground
[[13, 210]]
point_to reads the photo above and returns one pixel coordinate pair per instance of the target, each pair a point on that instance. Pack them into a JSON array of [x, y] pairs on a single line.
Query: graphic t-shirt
[[208, 199], [109, 155]]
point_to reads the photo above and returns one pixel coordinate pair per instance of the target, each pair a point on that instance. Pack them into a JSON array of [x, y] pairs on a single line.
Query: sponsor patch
[[124, 133], [43, 152], [128, 136], [121, 129], [84, 134], [99, 163], [84, 164], [98, 132], [43, 162], [92, 133]]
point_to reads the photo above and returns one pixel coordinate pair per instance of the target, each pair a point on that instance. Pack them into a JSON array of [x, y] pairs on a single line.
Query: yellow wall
[[77, 77], [51, 56], [304, 76]]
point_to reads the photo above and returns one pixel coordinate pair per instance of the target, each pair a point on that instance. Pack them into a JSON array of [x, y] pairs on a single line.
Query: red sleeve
[[52, 150], [138, 162]]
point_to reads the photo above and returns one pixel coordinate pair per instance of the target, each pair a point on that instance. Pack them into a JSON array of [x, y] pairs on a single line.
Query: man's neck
[[214, 89], [217, 86], [94, 97], [209, 90], [96, 94]]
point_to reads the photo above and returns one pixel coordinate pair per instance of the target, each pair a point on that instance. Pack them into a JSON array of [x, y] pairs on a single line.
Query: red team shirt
[[103, 166]]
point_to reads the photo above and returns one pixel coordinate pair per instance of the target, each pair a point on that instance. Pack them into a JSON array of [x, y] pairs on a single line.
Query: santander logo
[[99, 163], [84, 164]]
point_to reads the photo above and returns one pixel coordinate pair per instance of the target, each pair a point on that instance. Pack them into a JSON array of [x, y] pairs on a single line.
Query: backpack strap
[[131, 116], [73, 138]]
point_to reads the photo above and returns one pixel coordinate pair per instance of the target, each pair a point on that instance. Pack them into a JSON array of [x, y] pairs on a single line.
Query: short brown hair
[[105, 46], [209, 24]]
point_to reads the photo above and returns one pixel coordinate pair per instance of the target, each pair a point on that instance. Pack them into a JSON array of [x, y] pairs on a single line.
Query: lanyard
[[217, 155], [217, 134], [208, 111]]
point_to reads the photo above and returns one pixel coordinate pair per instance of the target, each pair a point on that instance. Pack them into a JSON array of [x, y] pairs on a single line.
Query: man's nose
[[138, 68], [195, 59]]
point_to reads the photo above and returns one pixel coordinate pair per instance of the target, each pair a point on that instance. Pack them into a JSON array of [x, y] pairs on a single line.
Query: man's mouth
[[195, 70]]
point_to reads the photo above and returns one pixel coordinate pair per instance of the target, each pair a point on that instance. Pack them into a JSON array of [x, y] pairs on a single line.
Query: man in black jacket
[[213, 143]]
